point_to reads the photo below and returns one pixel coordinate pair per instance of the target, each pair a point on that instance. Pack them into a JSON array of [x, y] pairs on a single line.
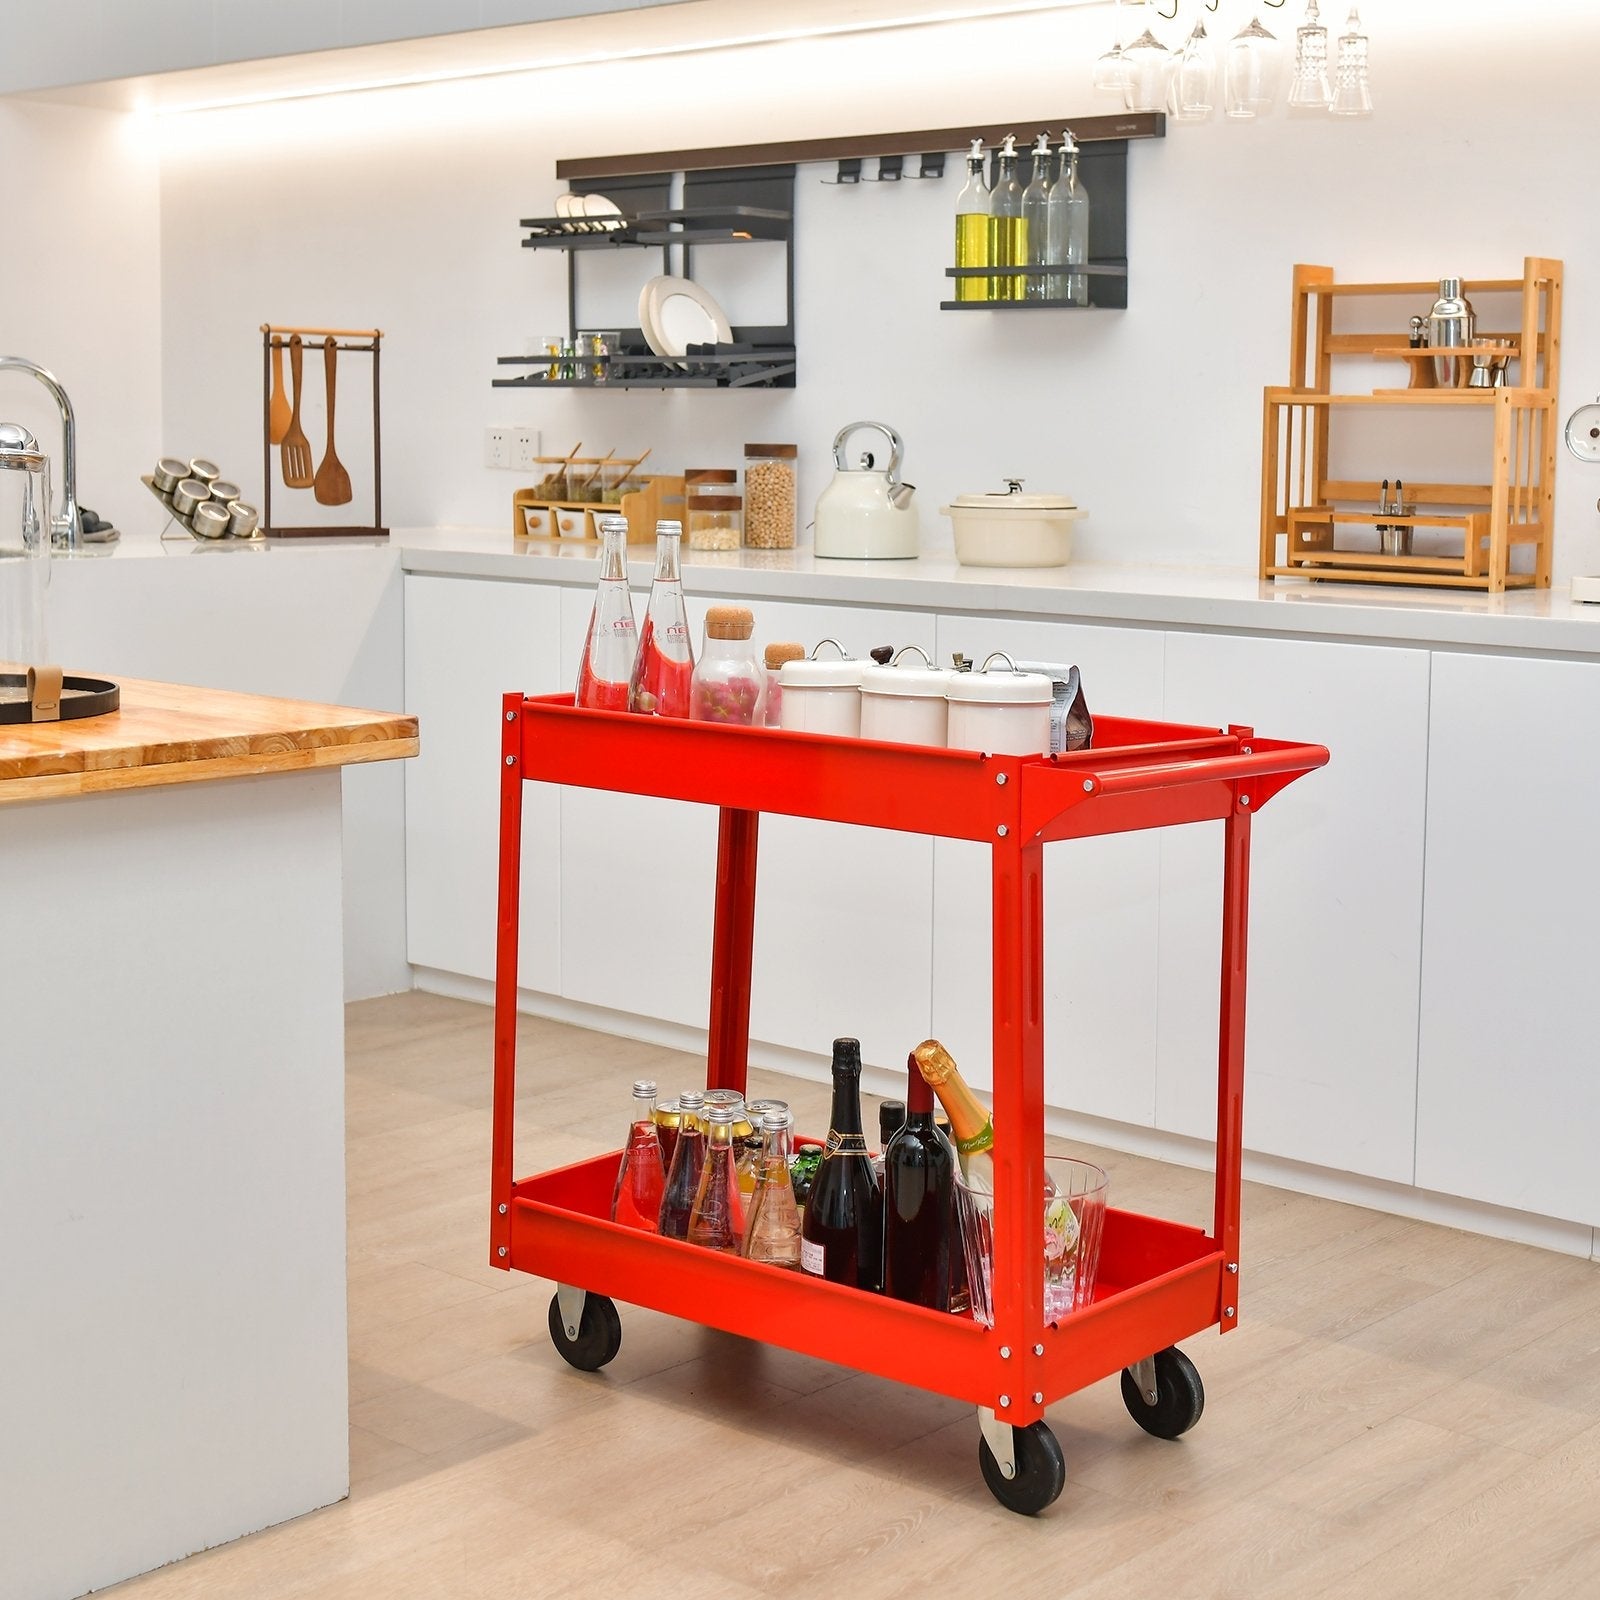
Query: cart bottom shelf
[[1159, 1282]]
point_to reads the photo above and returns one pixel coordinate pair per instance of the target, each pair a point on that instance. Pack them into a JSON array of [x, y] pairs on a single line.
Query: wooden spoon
[[333, 482], [278, 409], [295, 449]]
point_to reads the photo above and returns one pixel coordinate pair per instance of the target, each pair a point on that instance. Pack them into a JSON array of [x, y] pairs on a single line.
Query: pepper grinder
[[1421, 370]]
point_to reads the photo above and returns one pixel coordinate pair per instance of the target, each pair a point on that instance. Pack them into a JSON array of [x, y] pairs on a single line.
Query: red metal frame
[[1159, 1281]]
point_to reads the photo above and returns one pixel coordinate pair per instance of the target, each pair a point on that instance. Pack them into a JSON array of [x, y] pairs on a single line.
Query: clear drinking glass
[[1310, 90], [1352, 94], [1255, 66], [24, 549], [1074, 1223], [1194, 79], [1149, 66], [1111, 69]]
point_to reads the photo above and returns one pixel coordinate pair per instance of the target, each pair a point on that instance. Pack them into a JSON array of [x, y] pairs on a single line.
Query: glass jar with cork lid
[[730, 684], [769, 496], [713, 512]]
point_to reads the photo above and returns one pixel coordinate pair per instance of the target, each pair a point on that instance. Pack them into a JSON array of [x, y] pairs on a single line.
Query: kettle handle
[[897, 449]]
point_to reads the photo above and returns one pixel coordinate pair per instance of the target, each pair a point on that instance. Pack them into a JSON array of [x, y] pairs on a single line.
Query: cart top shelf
[[1138, 775]]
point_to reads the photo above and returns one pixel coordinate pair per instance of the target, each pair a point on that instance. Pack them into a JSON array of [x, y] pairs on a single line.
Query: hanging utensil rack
[[347, 341]]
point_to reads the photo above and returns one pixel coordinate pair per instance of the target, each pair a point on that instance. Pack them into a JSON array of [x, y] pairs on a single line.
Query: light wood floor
[[1404, 1411]]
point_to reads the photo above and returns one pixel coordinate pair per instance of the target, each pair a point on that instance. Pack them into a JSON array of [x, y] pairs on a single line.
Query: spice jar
[[769, 496], [730, 685], [712, 509], [776, 655]]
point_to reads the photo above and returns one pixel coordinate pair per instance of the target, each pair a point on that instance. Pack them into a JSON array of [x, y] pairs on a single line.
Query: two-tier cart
[[1159, 1281]]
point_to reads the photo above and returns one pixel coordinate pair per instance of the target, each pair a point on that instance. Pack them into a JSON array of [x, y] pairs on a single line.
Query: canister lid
[[823, 674], [730, 622], [776, 654], [777, 452], [1001, 685], [926, 682], [1003, 500], [710, 475]]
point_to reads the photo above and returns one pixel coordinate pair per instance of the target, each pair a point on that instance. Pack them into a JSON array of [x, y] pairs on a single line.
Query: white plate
[[564, 204], [675, 313], [597, 205]]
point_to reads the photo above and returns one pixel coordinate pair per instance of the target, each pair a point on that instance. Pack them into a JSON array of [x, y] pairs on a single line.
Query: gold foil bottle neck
[[934, 1062]]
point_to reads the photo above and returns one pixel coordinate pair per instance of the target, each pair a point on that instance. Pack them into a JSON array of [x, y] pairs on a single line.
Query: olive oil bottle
[[1008, 228], [1036, 213], [972, 229]]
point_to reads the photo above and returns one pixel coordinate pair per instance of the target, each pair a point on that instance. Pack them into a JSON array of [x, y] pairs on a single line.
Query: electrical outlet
[[524, 449], [497, 447]]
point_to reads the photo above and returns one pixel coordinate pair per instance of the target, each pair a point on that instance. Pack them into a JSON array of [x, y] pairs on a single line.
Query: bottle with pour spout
[[1036, 214], [972, 229], [1068, 225], [1008, 228]]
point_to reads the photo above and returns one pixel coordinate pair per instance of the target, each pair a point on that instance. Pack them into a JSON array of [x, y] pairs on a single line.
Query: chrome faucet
[[66, 527]]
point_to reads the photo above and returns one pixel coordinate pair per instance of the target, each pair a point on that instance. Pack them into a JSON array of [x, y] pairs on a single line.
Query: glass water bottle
[[611, 645], [688, 1157], [972, 229], [772, 1233], [716, 1219], [664, 666], [1036, 214], [641, 1175], [1008, 228], [1069, 225]]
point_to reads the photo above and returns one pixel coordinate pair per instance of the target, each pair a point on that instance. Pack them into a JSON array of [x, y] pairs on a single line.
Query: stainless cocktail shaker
[[1451, 323]]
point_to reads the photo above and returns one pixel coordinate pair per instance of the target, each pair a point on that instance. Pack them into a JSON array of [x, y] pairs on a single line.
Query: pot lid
[[1002, 685], [925, 682], [1011, 498]]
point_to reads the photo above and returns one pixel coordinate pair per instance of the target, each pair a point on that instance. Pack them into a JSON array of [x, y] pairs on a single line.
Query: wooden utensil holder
[[577, 521], [347, 341]]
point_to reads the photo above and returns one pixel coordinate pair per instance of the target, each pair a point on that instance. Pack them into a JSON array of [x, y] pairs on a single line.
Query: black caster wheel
[[1041, 1470], [1180, 1396], [599, 1333]]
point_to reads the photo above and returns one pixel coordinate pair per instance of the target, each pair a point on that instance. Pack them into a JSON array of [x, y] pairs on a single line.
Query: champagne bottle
[[919, 1184], [842, 1233], [970, 1122]]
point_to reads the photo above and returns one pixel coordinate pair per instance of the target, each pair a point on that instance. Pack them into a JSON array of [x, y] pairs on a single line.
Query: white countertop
[[1225, 599]]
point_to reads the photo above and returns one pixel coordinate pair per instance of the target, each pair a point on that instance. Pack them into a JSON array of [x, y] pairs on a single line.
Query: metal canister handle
[[926, 661], [844, 655], [897, 449], [998, 655]]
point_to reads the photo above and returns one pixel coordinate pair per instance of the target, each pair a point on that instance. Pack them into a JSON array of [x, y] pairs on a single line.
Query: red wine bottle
[[842, 1235], [919, 1187]]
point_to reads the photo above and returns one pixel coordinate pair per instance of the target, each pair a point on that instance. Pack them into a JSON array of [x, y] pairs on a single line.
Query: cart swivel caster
[[1163, 1393], [584, 1328], [1031, 1456]]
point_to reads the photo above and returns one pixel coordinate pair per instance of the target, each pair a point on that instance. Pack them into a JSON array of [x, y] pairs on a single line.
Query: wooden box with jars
[[575, 491], [1492, 534]]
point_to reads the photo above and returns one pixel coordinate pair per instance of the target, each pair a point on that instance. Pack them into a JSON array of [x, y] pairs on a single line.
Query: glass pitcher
[[24, 549]]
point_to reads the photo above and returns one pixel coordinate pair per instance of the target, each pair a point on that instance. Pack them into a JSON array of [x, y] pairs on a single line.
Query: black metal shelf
[[729, 369], [692, 225], [1019, 305]]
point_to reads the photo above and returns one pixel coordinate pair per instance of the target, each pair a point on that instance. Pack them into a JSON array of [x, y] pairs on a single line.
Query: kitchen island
[[172, 1274]]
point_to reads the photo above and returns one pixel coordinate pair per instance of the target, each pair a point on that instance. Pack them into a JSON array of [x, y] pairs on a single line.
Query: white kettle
[[866, 514]]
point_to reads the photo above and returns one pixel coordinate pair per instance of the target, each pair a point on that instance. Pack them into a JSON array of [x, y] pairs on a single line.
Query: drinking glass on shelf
[[1352, 95], [1194, 78], [1149, 66], [1310, 90], [1254, 69], [1111, 69]]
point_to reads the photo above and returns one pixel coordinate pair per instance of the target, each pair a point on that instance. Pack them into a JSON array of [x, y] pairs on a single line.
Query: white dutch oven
[[1013, 529], [822, 696], [905, 705], [1004, 713]]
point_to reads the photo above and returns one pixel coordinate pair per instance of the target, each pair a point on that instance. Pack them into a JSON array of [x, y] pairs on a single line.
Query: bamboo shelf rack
[[1470, 533]]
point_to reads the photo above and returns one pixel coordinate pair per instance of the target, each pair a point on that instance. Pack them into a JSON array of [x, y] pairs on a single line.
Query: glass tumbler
[[24, 548]]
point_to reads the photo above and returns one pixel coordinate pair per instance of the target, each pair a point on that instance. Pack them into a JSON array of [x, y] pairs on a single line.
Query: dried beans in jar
[[769, 496]]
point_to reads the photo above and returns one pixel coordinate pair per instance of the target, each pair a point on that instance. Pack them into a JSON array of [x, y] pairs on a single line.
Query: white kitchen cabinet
[[842, 914], [1100, 902], [468, 643], [1508, 1096], [1336, 905]]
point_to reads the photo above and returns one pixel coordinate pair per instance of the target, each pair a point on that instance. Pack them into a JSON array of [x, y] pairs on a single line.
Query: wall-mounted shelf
[[1058, 277]]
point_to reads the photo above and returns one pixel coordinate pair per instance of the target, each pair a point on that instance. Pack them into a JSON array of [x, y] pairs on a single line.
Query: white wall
[[399, 208], [80, 276]]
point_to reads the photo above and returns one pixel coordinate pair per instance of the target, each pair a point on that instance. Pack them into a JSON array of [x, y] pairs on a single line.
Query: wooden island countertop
[[167, 733]]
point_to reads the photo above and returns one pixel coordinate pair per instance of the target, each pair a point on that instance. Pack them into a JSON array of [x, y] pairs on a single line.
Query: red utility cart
[[1158, 1282]]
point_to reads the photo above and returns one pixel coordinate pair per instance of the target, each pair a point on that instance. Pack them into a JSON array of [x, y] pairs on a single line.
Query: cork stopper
[[777, 654], [730, 622]]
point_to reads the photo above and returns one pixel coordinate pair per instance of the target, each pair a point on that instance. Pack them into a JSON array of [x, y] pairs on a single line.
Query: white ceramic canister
[[905, 704], [1005, 713], [822, 696]]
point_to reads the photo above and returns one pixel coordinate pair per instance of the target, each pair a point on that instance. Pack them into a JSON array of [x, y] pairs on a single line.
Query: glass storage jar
[[769, 496], [713, 516], [730, 684]]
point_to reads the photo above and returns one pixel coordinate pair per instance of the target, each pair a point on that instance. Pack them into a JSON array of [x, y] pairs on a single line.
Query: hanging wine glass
[[1255, 65], [1194, 78], [1352, 95], [1311, 90], [1149, 66], [1111, 69]]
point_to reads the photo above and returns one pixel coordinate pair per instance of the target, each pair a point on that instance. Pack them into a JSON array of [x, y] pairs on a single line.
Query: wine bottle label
[[851, 1143], [811, 1255]]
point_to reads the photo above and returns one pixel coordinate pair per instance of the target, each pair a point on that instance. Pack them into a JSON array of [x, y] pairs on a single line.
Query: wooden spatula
[[278, 409], [333, 482], [294, 452]]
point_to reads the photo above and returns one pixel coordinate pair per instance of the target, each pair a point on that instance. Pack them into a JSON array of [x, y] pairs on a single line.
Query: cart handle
[[1292, 758]]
